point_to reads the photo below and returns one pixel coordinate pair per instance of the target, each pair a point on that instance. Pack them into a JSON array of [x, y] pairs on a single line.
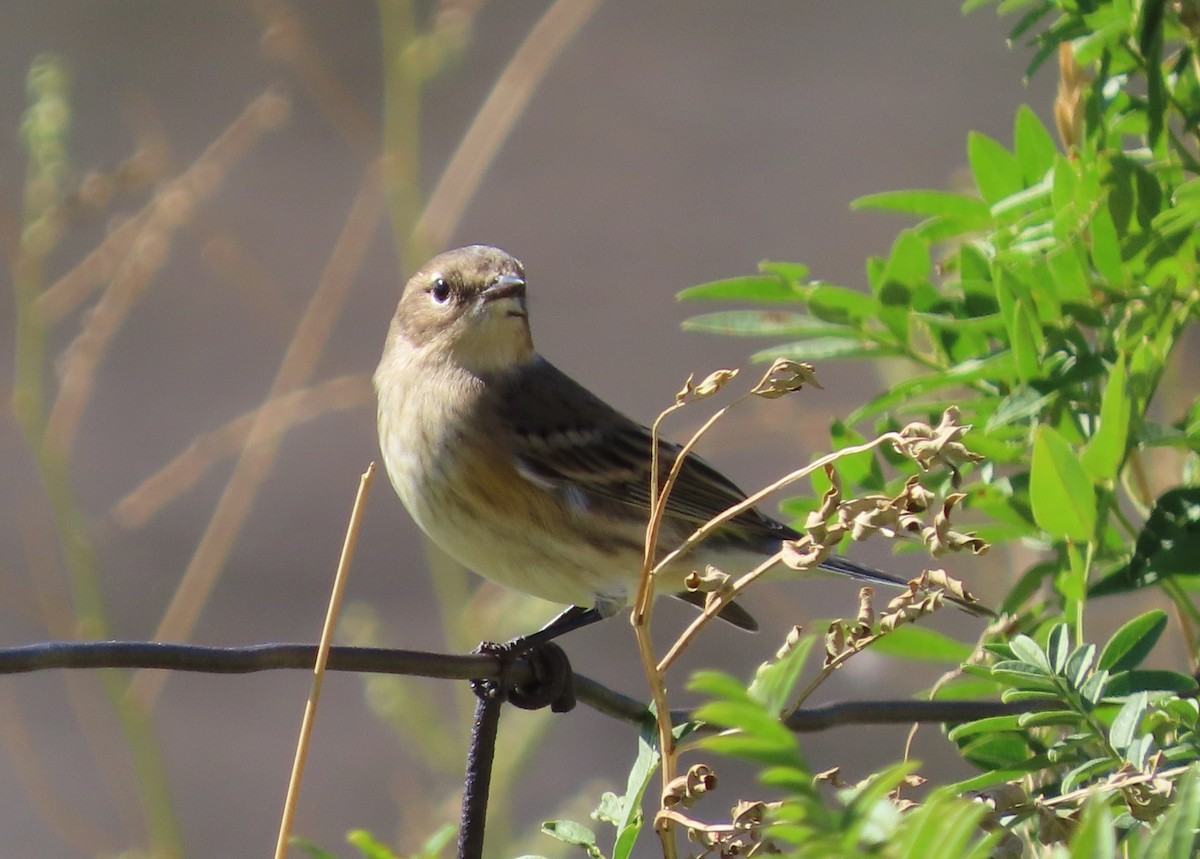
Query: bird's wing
[[567, 438]]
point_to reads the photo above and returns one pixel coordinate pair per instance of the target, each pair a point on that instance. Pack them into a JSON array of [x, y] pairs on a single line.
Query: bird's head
[[468, 306]]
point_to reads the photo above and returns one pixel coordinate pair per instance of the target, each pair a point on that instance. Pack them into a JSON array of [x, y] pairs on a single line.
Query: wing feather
[[576, 440]]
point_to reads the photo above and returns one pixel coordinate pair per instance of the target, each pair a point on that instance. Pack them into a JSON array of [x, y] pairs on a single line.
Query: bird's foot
[[550, 681]]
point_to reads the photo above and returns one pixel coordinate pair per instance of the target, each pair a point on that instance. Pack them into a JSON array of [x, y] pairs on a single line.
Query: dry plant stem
[[640, 620], [286, 40], [826, 670], [258, 456], [401, 122], [645, 595], [710, 611], [1117, 783], [314, 695], [703, 532], [640, 616], [274, 418], [658, 693], [496, 118]]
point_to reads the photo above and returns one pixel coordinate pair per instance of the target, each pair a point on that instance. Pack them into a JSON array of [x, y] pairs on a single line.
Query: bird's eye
[[440, 291]]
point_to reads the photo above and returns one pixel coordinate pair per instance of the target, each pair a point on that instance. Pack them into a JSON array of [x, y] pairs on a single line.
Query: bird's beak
[[507, 287]]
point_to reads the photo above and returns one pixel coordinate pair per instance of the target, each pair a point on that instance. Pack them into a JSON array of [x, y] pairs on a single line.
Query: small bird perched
[[522, 474]]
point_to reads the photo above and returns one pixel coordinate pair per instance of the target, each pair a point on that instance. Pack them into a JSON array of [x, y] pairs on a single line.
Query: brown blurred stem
[[495, 120], [272, 419], [401, 121]]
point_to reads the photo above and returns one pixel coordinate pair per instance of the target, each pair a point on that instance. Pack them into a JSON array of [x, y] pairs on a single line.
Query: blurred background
[[217, 175]]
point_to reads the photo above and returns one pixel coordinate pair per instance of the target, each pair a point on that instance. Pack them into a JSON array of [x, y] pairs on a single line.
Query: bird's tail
[[842, 566]]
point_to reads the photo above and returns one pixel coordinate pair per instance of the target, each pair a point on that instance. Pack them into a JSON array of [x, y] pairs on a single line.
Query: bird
[[525, 476]]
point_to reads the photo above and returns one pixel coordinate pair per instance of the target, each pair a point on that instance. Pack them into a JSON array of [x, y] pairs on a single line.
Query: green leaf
[[1079, 663], [988, 324], [923, 644], [369, 846], [1027, 685], [751, 748], [1043, 718], [1017, 407], [997, 173], [310, 848], [903, 285], [1027, 650], [1128, 719], [843, 306], [1106, 247], [859, 469], [1022, 695], [1025, 334], [1133, 642], [436, 843], [966, 688], [1183, 216], [1060, 492], [1064, 197], [1000, 751], [1069, 277], [1149, 680], [624, 813], [718, 684], [1150, 41], [1105, 451], [790, 271], [1073, 585], [822, 349], [774, 681], [966, 373], [941, 828], [759, 288], [990, 725], [1032, 763], [1058, 647], [1168, 545], [927, 204], [575, 834], [1087, 771], [1029, 206], [751, 718], [760, 323], [1095, 687], [1034, 145]]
